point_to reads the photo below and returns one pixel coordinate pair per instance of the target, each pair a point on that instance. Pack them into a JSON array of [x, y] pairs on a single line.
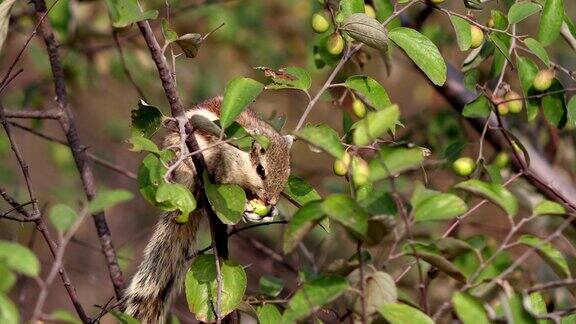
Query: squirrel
[[262, 173]]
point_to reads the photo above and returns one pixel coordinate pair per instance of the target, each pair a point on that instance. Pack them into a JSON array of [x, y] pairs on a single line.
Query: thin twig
[[364, 315], [93, 157], [125, 65], [56, 266]]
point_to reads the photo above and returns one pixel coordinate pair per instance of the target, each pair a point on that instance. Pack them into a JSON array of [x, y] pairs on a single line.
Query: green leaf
[[140, 144], [366, 30], [370, 90], [227, 200], [431, 254], [537, 49], [514, 310], [291, 78], [536, 305], [169, 34], [477, 56], [402, 314], [202, 287], [19, 258], [522, 10], [547, 207], [175, 196], [146, 119], [5, 8], [478, 108], [499, 19], [301, 224], [549, 253], [376, 202], [7, 278], [498, 59], [380, 289], [108, 198], [62, 217], [384, 9], [527, 71], [473, 4], [8, 311], [421, 194], [554, 106], [375, 124], [471, 79], [124, 318], [190, 44], [242, 139], [463, 34], [64, 316], [501, 44], [422, 51], [151, 174], [313, 295], [269, 314], [345, 211], [469, 309], [494, 192], [239, 93], [494, 173], [551, 21], [348, 7], [391, 161], [324, 138], [439, 207], [298, 190], [271, 286], [127, 12], [452, 248], [571, 107]]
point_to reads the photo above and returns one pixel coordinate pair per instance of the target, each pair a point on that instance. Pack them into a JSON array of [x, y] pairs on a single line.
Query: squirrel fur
[[262, 173]]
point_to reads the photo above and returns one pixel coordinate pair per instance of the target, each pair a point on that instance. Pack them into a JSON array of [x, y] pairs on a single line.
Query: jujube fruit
[[369, 11], [543, 80], [320, 22], [360, 171], [464, 166], [335, 44], [477, 36], [514, 101], [359, 108]]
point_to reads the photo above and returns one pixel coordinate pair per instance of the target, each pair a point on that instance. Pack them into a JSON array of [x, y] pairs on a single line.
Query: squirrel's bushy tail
[[161, 273]]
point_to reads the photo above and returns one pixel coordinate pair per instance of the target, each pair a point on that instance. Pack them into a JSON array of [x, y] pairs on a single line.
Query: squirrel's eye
[[261, 172]]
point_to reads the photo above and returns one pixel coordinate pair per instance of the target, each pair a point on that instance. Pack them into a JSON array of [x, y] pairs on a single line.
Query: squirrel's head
[[267, 176]]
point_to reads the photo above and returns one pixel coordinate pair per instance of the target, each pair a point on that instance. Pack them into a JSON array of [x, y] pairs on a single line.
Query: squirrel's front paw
[[258, 211]]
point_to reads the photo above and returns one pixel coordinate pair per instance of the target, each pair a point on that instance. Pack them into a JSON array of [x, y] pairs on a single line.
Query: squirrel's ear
[[289, 140]]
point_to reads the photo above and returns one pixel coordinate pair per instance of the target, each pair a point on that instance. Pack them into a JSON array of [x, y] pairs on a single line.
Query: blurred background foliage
[[272, 33]]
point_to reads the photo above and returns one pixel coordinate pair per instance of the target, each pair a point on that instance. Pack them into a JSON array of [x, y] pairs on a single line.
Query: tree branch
[[68, 124]]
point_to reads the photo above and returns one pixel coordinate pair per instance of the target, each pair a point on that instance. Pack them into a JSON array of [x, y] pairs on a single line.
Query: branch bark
[[68, 124]]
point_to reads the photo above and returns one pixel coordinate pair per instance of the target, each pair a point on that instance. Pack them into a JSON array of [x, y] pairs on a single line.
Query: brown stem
[[34, 114]]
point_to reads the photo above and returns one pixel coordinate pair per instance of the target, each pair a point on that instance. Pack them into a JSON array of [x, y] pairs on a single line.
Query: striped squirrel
[[261, 173]]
